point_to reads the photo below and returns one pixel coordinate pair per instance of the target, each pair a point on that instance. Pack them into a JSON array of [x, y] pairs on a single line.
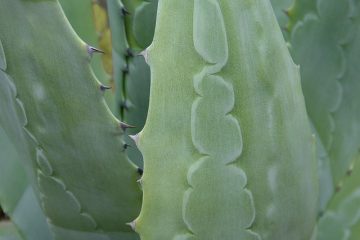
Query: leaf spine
[[91, 50]]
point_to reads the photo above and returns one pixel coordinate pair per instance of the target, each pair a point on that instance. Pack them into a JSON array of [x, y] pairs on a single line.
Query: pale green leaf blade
[[9, 232], [203, 100], [17, 197], [342, 217], [80, 15], [55, 108], [325, 42]]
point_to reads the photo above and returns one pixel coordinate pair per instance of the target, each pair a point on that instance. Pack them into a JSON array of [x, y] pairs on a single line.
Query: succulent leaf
[[355, 232], [9, 232], [103, 30], [140, 22], [325, 42], [132, 25], [281, 9], [226, 112], [80, 15], [343, 214], [87, 185], [17, 196]]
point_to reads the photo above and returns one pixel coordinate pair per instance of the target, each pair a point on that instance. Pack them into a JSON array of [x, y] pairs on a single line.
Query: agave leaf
[[8, 231], [280, 8], [17, 197], [226, 129], [355, 232], [53, 109], [102, 27], [140, 26], [140, 22], [80, 15], [132, 24], [325, 42], [298, 11], [342, 217]]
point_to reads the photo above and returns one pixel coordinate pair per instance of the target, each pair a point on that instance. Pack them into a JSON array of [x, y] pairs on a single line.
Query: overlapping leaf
[[53, 109], [132, 27], [17, 196]]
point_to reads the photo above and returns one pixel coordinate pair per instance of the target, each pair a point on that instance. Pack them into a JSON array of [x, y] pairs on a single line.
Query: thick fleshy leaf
[[80, 15], [53, 109], [342, 217], [9, 232], [17, 197], [281, 8], [132, 27], [325, 43], [227, 147]]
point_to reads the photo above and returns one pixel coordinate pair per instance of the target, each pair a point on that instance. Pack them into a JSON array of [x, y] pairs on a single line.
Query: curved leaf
[[281, 8], [17, 197], [132, 26], [342, 217], [325, 42], [80, 15], [227, 147], [55, 113], [8, 232]]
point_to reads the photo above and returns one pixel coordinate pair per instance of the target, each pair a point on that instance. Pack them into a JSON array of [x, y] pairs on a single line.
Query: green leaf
[[80, 15], [342, 217], [355, 232], [132, 32], [227, 147], [55, 112], [9, 232], [325, 42], [17, 197], [281, 8]]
